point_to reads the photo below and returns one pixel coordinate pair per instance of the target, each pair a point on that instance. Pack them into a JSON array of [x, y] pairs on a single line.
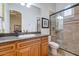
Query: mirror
[[18, 18], [15, 21]]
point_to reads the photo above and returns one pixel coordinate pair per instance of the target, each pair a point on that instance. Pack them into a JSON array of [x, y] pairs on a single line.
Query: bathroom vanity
[[24, 46], [30, 41]]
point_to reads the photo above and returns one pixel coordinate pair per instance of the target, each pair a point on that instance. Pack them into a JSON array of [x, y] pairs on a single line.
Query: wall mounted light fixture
[[28, 5]]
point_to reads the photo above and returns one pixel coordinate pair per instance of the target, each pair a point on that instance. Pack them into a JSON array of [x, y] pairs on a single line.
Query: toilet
[[53, 46]]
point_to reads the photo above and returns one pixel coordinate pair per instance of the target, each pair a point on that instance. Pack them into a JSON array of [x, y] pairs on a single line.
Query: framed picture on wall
[[45, 23]]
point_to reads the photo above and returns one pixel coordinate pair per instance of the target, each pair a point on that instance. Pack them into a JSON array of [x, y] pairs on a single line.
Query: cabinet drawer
[[24, 44], [12, 53], [7, 48], [44, 39], [45, 43], [36, 41]]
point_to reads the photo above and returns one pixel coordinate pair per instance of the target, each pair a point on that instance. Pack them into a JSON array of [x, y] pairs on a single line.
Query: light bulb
[[28, 5], [59, 17], [23, 4]]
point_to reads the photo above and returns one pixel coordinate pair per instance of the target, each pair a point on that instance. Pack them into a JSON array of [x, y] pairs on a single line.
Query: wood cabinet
[[35, 50], [24, 52], [44, 46], [13, 53], [44, 49], [29, 51], [7, 49], [27, 47]]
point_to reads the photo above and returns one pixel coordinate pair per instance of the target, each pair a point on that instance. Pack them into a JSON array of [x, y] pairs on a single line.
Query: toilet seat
[[54, 45]]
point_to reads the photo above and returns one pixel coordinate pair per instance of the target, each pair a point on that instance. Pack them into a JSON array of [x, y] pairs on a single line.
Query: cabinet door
[[24, 52], [29, 48], [7, 49], [44, 49], [35, 50], [44, 46]]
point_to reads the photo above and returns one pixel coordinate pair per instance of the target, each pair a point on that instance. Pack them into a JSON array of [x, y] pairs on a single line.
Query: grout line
[[69, 52]]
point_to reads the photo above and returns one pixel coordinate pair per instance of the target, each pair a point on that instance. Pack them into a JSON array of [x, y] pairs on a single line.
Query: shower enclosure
[[64, 28]]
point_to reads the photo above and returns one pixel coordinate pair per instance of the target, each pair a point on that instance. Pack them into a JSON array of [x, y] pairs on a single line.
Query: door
[[24, 52], [35, 50], [44, 49]]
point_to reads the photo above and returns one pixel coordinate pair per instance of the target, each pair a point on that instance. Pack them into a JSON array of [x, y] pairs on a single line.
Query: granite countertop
[[15, 38]]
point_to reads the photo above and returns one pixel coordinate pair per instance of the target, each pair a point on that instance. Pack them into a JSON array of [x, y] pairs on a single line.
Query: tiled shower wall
[[68, 37], [56, 33]]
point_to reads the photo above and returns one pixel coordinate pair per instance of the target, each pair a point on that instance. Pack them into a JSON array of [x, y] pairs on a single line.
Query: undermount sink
[[26, 35]]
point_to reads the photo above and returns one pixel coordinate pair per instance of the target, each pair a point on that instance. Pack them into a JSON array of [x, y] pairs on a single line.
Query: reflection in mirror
[[0, 25], [1, 19], [18, 18], [15, 21]]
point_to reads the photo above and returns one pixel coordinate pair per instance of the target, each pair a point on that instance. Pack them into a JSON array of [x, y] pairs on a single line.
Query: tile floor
[[62, 53]]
